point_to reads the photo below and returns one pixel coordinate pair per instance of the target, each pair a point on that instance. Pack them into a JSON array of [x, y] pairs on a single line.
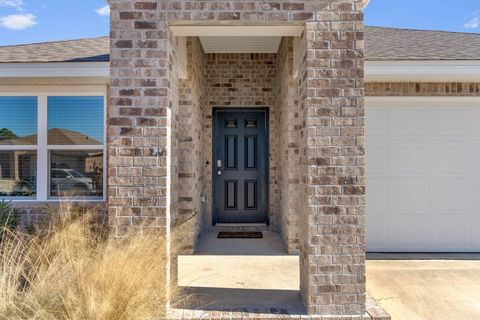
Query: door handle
[[219, 172]]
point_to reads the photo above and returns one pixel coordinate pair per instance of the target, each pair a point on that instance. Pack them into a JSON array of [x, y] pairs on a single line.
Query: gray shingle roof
[[381, 44], [82, 50], [407, 44]]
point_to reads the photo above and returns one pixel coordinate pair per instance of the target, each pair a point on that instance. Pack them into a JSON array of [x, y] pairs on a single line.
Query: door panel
[[240, 165]]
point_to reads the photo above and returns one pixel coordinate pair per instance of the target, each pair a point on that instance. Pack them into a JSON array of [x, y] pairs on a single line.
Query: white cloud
[[18, 4], [18, 21], [474, 23], [103, 11]]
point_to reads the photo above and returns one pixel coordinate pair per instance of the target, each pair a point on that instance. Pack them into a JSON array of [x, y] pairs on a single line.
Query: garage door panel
[[378, 232], [379, 162], [408, 196], [410, 232], [411, 159], [378, 194], [425, 166], [475, 230], [408, 121], [454, 159], [452, 232], [454, 121], [378, 122], [451, 196]]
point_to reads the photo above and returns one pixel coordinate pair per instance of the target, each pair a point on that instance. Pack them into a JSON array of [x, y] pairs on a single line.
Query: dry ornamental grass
[[68, 272]]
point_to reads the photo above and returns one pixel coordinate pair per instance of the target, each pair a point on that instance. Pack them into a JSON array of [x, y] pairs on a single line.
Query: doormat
[[240, 235]]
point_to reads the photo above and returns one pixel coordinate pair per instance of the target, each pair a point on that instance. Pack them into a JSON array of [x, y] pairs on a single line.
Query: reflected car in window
[[70, 182]]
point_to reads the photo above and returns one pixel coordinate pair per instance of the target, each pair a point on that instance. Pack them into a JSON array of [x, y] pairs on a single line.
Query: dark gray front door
[[240, 165]]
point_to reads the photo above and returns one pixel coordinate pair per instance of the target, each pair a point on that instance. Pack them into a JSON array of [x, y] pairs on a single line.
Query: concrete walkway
[[231, 273], [426, 289]]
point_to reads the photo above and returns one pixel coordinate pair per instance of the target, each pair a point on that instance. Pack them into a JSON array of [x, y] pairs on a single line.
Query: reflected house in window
[[18, 172], [72, 172], [57, 136], [75, 172]]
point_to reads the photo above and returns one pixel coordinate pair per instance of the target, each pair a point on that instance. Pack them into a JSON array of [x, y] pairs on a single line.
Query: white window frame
[[43, 149]]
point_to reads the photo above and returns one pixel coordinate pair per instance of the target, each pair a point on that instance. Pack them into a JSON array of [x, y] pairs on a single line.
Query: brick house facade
[[165, 85], [158, 124]]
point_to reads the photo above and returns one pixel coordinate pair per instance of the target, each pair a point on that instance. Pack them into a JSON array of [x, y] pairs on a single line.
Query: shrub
[[68, 272]]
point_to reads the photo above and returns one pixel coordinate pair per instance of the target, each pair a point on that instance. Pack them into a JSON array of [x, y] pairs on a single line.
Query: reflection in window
[[18, 120], [18, 173], [76, 173], [75, 120]]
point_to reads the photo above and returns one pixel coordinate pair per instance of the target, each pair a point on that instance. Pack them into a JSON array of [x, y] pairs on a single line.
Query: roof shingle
[[407, 44], [81, 50], [381, 44]]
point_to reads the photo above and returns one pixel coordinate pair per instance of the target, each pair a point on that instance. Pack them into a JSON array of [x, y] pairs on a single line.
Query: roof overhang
[[55, 72], [423, 71], [375, 71]]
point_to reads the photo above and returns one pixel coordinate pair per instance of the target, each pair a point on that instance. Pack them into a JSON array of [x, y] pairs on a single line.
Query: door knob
[[219, 172]]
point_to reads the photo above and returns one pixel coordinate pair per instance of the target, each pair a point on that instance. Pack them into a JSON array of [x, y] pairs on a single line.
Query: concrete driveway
[[426, 289]]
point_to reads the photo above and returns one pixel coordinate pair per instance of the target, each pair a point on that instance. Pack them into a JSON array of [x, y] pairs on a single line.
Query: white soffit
[[239, 39], [240, 44], [237, 31]]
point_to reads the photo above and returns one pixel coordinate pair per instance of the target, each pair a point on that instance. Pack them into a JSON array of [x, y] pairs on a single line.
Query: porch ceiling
[[240, 44], [239, 38]]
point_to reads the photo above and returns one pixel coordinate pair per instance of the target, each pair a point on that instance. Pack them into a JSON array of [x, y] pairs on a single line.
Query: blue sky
[[22, 119], [449, 15], [47, 20], [27, 21], [82, 114]]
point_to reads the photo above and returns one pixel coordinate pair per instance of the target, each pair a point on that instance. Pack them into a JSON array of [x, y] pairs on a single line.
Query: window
[[18, 143], [52, 147]]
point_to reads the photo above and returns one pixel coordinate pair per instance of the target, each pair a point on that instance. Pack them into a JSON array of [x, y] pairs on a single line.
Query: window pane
[[75, 120], [18, 120], [76, 173], [18, 173]]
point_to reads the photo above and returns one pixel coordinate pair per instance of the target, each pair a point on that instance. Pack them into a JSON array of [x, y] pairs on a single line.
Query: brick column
[[332, 243], [141, 117], [142, 121]]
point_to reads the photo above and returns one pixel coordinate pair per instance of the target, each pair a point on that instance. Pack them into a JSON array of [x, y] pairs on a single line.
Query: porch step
[[240, 227]]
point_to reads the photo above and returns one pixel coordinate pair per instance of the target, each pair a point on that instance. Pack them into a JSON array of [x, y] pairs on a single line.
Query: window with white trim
[[52, 147]]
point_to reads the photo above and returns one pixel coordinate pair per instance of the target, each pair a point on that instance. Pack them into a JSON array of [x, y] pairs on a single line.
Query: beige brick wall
[[33, 214], [422, 89], [288, 146], [143, 140], [332, 222], [191, 166]]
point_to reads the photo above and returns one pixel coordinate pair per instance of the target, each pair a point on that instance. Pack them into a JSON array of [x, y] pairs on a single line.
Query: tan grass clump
[[68, 272]]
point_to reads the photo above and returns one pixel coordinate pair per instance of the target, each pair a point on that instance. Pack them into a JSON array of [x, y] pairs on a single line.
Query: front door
[[240, 165]]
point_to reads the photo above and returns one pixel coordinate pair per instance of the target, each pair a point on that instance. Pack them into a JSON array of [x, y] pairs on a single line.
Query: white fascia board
[[237, 31], [423, 71], [55, 69], [375, 71], [424, 101]]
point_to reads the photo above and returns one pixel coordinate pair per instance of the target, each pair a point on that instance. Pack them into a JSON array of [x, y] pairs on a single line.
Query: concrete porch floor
[[245, 279], [234, 273]]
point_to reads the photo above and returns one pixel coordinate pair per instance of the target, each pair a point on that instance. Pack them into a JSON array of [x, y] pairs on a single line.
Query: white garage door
[[423, 174]]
